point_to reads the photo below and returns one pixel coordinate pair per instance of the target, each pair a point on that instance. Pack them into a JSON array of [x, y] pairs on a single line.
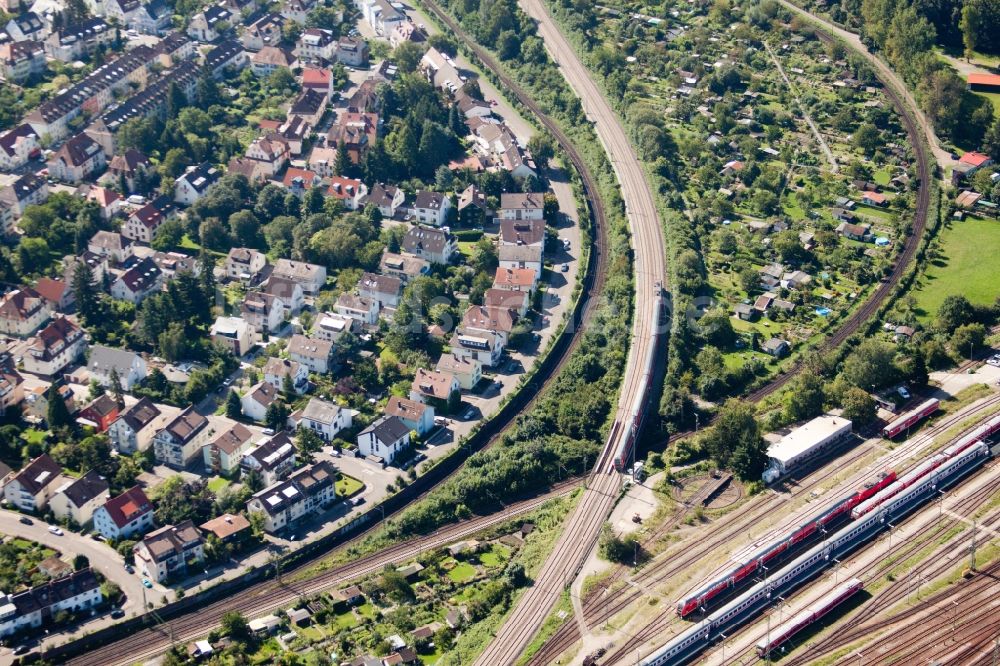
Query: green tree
[[57, 414], [954, 311], [805, 397], [407, 56], [735, 440], [276, 415], [859, 406], [967, 338], [871, 364], [116, 388], [236, 626], [234, 408], [86, 294]]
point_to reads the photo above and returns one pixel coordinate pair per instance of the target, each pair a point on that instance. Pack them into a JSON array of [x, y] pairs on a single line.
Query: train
[[814, 612], [911, 418], [763, 556], [688, 644], [977, 435]]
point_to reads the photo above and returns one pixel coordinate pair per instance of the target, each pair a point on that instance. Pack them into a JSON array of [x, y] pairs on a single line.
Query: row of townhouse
[[75, 593]]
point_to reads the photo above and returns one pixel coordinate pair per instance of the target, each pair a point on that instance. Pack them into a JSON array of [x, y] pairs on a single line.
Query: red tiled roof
[[973, 158], [984, 79]]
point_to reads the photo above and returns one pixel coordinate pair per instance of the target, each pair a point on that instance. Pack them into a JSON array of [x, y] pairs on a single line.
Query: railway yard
[[629, 613]]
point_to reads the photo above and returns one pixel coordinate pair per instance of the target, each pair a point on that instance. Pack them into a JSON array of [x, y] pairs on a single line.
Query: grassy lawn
[[994, 99], [792, 207], [348, 486], [495, 556], [366, 610], [218, 484], [968, 267], [463, 572], [882, 176], [34, 436], [345, 621]]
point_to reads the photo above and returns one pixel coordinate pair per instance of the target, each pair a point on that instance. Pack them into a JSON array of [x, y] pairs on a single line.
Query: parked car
[[20, 649], [24, 520], [903, 393], [117, 613], [55, 530], [565, 268], [994, 360], [147, 584], [129, 568]]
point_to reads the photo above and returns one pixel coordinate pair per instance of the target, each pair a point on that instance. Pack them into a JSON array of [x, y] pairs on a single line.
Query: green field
[[968, 267], [994, 99], [463, 572], [218, 484]]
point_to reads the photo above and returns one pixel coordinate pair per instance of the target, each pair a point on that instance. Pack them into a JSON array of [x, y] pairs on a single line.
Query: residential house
[[100, 413], [181, 439], [316, 44], [21, 61], [522, 206], [233, 333], [358, 308], [304, 493], [206, 26], [166, 553], [265, 31], [313, 78], [271, 152], [22, 312], [138, 282], [403, 32], [473, 209], [128, 166], [151, 18], [381, 15], [277, 369], [244, 264], [858, 232], [387, 198], [264, 62], [26, 26], [352, 52], [331, 326], [299, 181], [108, 201], [322, 161], [366, 98], [383, 289], [497, 320], [516, 279], [517, 301], [11, 391], [133, 430], [521, 257], [431, 208], [104, 362], [31, 489], [309, 276], [262, 312], [17, 146], [433, 387], [195, 182], [78, 159], [437, 246], [257, 400], [324, 418], [26, 611], [349, 191], [481, 345], [229, 528], [414, 415], [874, 199], [80, 40], [224, 454], [36, 402], [386, 438], [143, 223], [795, 280], [273, 458], [125, 516], [522, 233], [78, 499], [228, 56], [776, 347], [471, 107], [468, 371], [403, 267], [289, 292], [55, 347], [441, 71], [313, 353], [358, 132], [745, 311], [27, 190], [309, 106]]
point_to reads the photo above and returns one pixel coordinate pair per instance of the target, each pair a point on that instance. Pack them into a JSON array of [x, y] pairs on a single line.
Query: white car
[[55, 530], [903, 393], [994, 360]]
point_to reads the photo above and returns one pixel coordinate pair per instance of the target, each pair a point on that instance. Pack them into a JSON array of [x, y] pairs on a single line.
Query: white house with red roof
[[127, 515]]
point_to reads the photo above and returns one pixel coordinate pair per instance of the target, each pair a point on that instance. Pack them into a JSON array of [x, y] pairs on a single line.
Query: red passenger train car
[[911, 418]]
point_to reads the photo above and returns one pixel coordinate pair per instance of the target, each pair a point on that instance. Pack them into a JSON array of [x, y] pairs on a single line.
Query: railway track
[[611, 597], [267, 597]]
